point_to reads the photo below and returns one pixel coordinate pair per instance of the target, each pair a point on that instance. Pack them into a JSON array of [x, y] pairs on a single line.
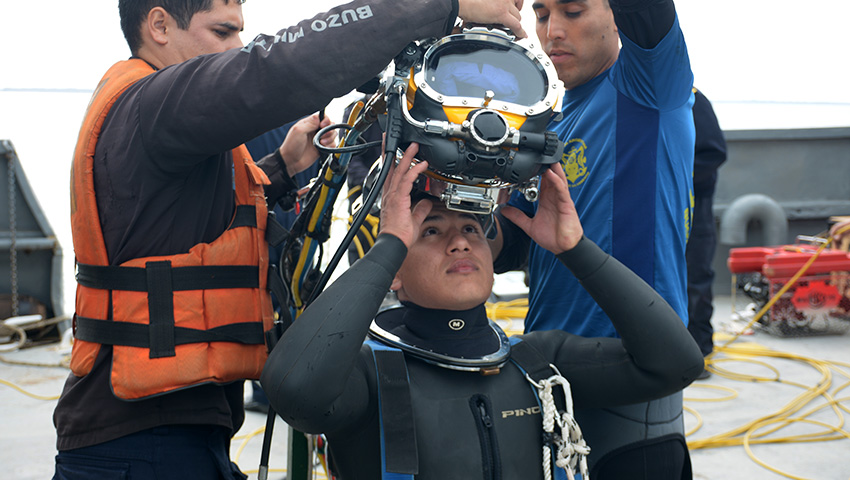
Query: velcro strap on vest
[[160, 281], [135, 279], [161, 309], [137, 335], [246, 216]]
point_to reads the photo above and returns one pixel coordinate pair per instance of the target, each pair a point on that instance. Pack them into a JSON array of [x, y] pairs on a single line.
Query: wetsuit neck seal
[[463, 340]]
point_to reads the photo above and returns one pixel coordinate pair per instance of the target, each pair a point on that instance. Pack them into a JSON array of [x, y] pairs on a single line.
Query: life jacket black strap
[[161, 309], [138, 335], [246, 216], [275, 232], [160, 281], [135, 279]]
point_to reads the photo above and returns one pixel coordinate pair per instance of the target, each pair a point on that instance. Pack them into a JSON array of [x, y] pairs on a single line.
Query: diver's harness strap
[[399, 453], [572, 450]]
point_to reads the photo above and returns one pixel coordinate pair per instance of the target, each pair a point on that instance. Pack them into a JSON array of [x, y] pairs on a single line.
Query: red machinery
[[818, 303]]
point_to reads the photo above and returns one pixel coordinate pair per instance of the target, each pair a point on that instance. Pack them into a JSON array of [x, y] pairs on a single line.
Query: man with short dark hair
[[628, 155], [169, 214]]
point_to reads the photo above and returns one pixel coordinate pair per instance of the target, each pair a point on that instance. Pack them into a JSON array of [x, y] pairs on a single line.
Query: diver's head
[[449, 266]]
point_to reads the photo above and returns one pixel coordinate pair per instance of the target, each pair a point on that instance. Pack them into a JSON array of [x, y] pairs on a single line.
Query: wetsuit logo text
[[521, 412]]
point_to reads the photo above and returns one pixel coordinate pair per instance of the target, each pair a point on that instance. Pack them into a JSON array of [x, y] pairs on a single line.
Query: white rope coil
[[570, 448]]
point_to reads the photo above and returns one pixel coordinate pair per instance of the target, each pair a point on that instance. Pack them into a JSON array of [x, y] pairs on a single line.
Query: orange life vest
[[173, 321]]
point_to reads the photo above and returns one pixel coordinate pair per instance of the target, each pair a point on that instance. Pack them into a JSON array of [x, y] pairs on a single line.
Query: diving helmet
[[478, 104]]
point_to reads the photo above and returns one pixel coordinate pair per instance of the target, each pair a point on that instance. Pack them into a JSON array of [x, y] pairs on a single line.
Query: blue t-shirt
[[628, 157]]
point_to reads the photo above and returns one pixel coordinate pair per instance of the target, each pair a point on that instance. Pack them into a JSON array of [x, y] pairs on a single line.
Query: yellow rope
[[32, 395], [732, 393], [763, 430], [506, 312], [698, 418], [247, 438]]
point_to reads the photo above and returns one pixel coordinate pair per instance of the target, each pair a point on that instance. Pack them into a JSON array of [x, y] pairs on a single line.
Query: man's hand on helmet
[[397, 216], [502, 12], [555, 226]]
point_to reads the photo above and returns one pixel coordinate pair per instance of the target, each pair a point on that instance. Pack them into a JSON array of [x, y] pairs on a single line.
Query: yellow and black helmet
[[478, 104]]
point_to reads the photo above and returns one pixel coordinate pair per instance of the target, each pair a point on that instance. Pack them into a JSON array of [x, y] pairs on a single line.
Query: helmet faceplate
[[478, 104]]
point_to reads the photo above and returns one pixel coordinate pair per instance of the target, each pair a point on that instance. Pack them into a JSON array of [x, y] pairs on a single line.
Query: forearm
[[661, 355], [213, 103], [644, 22], [308, 372]]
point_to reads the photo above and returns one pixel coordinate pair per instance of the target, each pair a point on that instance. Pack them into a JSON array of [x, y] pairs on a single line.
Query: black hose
[[360, 147], [393, 138]]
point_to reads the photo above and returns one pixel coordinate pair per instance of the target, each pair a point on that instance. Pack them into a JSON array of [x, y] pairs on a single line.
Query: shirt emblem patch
[[575, 162], [456, 324]]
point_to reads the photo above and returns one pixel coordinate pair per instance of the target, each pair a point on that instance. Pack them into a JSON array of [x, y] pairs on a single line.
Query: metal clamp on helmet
[[478, 104]]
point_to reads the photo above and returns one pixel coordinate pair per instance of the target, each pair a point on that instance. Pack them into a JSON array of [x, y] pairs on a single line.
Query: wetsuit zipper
[[491, 463]]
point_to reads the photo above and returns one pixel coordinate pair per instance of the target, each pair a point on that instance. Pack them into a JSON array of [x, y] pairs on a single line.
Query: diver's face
[[449, 267]]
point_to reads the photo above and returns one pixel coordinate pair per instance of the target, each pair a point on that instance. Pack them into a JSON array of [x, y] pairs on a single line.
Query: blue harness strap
[[399, 454], [530, 362]]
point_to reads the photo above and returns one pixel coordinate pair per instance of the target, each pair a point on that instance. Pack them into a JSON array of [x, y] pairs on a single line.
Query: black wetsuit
[[320, 378]]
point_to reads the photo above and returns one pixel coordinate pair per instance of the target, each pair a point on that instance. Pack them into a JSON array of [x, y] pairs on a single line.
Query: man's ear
[[157, 25]]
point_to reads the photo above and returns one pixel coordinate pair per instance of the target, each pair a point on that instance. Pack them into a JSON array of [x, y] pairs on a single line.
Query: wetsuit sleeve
[[282, 187], [212, 103], [314, 377], [656, 355], [644, 22]]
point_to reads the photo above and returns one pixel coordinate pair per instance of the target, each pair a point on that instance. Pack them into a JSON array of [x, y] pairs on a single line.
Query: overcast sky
[[763, 63], [751, 51], [768, 50]]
